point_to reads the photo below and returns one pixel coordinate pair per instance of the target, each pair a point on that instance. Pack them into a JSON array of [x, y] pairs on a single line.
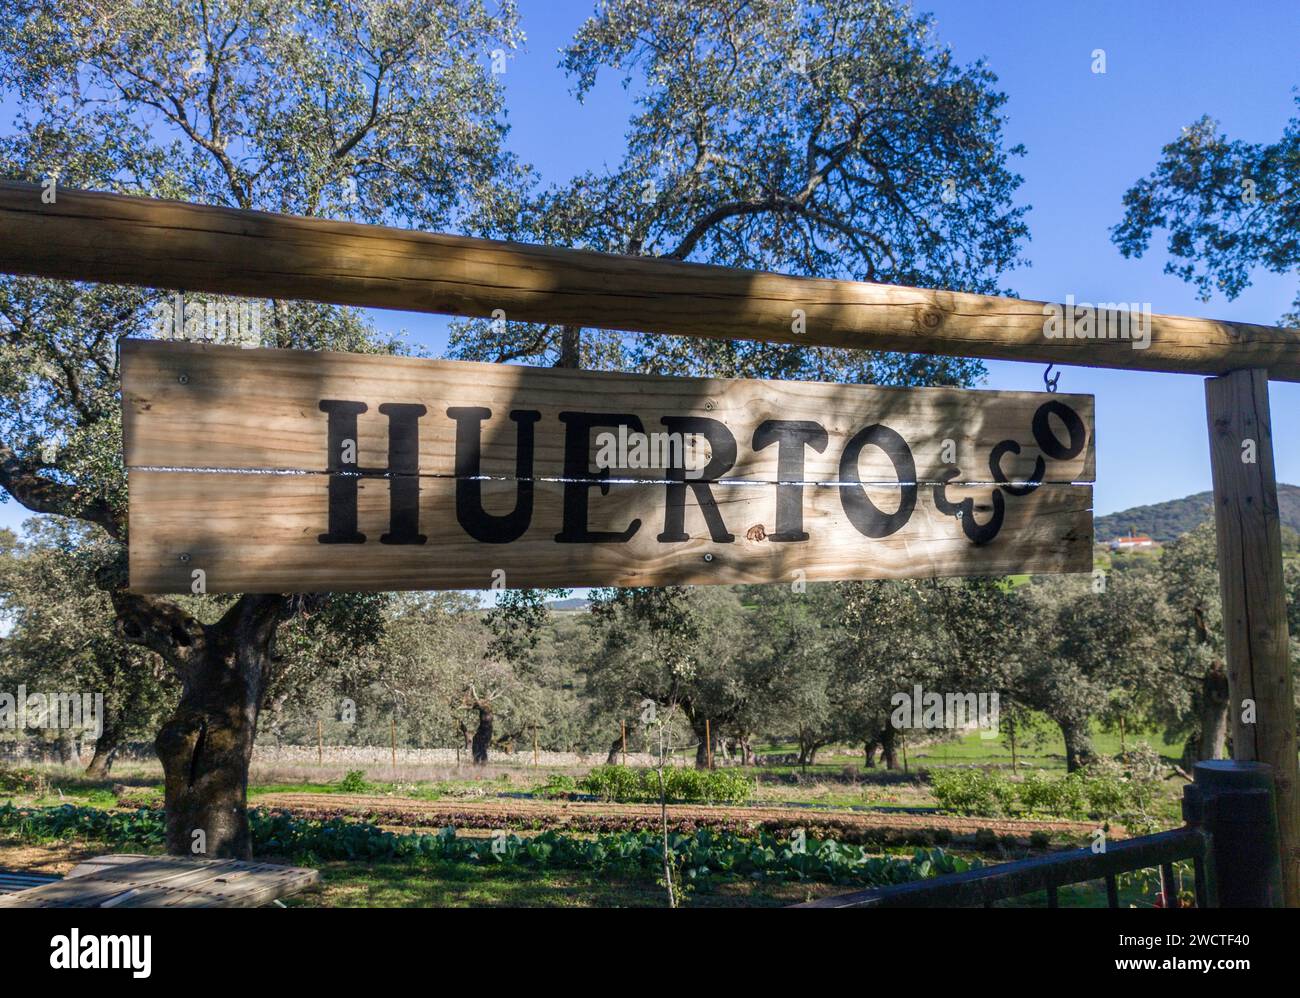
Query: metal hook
[[1051, 382]]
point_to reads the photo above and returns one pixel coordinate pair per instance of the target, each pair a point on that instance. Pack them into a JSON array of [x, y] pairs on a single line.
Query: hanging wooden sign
[[287, 471]]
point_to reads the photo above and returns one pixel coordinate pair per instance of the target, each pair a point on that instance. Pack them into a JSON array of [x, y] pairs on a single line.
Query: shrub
[[709, 786], [24, 781], [972, 791], [1105, 791], [557, 785], [691, 786], [612, 783], [1058, 798], [354, 782], [1107, 794]]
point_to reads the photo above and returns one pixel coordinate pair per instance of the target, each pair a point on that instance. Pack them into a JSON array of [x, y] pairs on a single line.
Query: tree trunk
[[570, 348], [697, 724], [105, 752], [808, 750], [69, 755], [889, 747], [1078, 745], [1214, 714], [205, 748], [206, 745], [615, 747], [701, 750], [483, 733], [869, 751], [110, 739]]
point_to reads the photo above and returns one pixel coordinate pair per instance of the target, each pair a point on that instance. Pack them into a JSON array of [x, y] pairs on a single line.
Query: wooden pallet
[[133, 881]]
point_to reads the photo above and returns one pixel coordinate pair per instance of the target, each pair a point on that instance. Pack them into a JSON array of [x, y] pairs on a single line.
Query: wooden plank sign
[[288, 471]]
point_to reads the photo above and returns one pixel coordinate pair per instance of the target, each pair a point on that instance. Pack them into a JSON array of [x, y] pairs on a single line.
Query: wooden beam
[[171, 244], [1261, 694]]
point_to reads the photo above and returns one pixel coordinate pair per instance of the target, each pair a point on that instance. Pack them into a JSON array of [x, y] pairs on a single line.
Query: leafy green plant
[[1064, 797], [24, 781], [973, 791], [1103, 791], [702, 858], [354, 782], [681, 784], [557, 785]]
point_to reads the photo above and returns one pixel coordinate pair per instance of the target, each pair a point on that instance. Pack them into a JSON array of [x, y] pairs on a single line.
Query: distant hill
[[567, 605], [1163, 521]]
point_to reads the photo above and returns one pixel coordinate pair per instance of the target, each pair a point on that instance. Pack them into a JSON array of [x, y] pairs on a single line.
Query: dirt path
[[589, 816], [47, 857]]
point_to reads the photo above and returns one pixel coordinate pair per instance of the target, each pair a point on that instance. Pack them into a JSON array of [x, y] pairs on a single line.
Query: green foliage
[[613, 783], [973, 791], [517, 622], [61, 629], [1228, 207], [825, 150], [945, 635], [1103, 791], [557, 785], [140, 828], [681, 784], [701, 858], [354, 782], [23, 781], [1062, 797]]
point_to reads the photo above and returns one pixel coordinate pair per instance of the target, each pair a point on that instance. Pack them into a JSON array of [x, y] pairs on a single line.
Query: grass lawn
[[1041, 748], [461, 885]]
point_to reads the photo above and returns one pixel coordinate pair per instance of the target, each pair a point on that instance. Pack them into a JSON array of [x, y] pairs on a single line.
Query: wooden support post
[[708, 743], [320, 743], [534, 745], [1261, 694], [392, 735], [622, 725]]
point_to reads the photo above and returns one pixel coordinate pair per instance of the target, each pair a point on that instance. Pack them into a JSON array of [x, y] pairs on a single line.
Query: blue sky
[[1088, 136]]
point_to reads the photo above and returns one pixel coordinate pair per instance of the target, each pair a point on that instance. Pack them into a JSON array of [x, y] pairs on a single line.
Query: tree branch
[[20, 479]]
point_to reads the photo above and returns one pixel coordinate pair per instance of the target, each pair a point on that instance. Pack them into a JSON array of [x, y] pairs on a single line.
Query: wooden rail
[[171, 244], [986, 885]]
